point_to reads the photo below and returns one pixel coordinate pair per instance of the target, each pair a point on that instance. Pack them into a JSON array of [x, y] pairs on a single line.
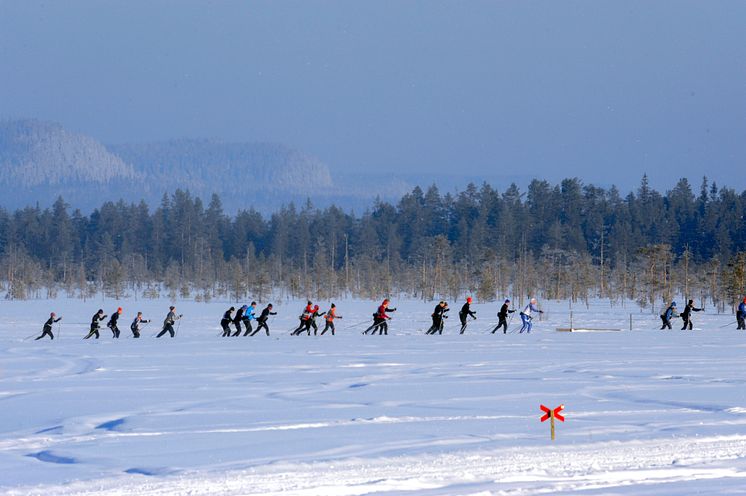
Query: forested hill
[[204, 167], [40, 161], [35, 153]]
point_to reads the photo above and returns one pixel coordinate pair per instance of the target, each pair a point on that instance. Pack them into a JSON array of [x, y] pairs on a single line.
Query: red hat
[[119, 310], [468, 300], [386, 300]]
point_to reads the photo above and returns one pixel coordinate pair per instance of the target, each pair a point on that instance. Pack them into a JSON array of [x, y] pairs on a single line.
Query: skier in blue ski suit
[[741, 315], [526, 315], [248, 316], [668, 315]]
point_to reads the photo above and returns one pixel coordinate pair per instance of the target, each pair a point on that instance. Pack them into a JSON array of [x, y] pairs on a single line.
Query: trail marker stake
[[550, 415]]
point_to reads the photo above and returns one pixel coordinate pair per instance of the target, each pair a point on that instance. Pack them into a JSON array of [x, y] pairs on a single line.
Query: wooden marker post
[[550, 415]]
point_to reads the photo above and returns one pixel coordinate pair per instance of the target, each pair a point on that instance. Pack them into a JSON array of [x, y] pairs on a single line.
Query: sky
[[604, 91]]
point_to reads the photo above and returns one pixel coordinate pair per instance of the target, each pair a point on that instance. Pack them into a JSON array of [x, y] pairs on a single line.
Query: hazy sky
[[600, 90]]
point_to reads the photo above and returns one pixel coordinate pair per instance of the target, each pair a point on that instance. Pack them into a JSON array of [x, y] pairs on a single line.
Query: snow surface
[[648, 412]]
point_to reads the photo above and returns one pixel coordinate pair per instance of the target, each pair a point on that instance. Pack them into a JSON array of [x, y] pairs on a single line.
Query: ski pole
[[486, 328], [728, 324], [356, 325]]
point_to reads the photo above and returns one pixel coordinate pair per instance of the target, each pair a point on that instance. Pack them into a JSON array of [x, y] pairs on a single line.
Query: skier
[[330, 316], [438, 315], [135, 326], [376, 322], [686, 315], [303, 319], [112, 324], [668, 314], [383, 326], [443, 320], [503, 316], [47, 330], [526, 315], [95, 323], [248, 316], [465, 312], [225, 322], [741, 315], [168, 322], [311, 322], [262, 320], [238, 319]]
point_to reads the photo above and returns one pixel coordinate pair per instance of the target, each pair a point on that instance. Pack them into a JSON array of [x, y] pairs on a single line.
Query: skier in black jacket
[[47, 330], [238, 319], [438, 315], [262, 320], [465, 312], [225, 322], [135, 325], [95, 324], [503, 316], [741, 315], [443, 320], [112, 324], [686, 315]]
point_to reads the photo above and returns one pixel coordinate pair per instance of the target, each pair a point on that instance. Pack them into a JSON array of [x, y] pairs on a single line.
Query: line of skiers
[[113, 324], [307, 320], [670, 313], [245, 315], [441, 309]]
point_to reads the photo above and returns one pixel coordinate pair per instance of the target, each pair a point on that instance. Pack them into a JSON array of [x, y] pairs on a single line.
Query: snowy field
[[648, 412]]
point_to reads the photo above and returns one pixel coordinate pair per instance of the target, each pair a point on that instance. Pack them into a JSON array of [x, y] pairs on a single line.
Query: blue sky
[[600, 90]]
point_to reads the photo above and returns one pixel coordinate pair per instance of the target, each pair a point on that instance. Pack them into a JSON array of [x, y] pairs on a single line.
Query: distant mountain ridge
[[34, 153], [200, 164], [41, 160]]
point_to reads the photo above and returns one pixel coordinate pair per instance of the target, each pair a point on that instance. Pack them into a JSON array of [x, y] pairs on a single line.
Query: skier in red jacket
[[380, 319]]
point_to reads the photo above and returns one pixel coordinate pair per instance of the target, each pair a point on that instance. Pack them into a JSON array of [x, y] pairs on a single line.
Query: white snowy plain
[[648, 411]]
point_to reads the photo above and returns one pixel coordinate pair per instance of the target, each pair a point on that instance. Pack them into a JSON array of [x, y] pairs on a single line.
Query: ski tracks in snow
[[608, 467]]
